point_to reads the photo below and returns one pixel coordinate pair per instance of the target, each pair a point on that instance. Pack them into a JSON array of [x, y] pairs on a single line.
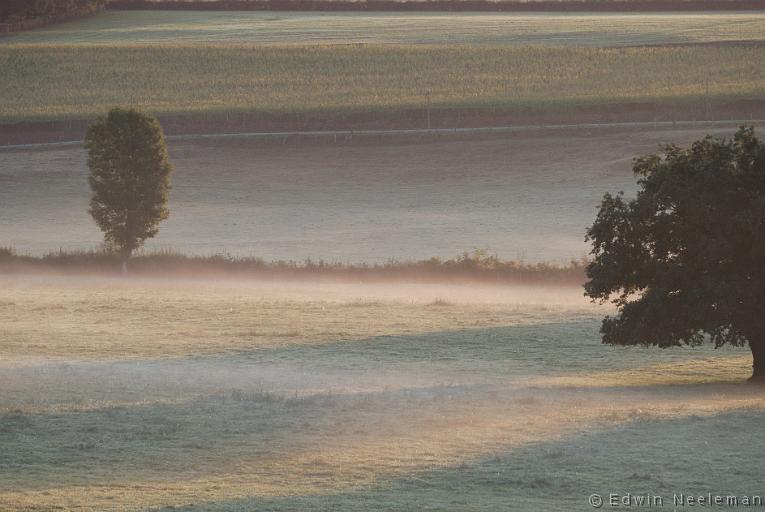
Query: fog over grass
[[219, 395], [147, 393]]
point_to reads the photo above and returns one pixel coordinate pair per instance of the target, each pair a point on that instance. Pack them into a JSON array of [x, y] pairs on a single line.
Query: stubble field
[[172, 63]]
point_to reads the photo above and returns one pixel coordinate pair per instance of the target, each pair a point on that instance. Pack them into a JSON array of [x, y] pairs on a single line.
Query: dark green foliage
[[129, 177], [683, 262], [18, 10]]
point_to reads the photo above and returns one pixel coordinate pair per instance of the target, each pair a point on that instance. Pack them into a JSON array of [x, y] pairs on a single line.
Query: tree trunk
[[758, 362], [125, 258]]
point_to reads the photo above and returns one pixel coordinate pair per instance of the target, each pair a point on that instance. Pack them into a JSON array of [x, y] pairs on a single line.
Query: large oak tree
[[684, 260], [129, 177]]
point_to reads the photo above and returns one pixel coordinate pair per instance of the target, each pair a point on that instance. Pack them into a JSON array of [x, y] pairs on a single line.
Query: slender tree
[[129, 178], [684, 261]]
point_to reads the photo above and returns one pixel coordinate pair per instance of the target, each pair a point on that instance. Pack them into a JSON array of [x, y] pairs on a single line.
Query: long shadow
[[719, 454], [198, 435], [547, 348], [203, 435]]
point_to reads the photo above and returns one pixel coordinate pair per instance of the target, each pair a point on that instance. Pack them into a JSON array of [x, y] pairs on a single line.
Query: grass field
[[49, 74], [202, 395], [549, 29], [363, 200]]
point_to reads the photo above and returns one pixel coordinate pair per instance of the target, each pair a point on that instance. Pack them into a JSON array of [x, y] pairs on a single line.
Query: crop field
[[85, 81], [202, 395], [549, 29], [49, 75], [358, 200], [70, 81]]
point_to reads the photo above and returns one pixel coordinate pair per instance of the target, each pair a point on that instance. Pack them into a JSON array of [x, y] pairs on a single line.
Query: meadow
[[231, 65], [358, 200], [241, 395]]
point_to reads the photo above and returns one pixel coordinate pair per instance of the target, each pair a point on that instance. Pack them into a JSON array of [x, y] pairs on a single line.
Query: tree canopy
[[129, 178], [683, 261]]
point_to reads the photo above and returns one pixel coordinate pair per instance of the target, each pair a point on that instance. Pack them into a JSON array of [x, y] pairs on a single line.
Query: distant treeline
[[470, 267], [19, 10], [25, 14], [440, 5]]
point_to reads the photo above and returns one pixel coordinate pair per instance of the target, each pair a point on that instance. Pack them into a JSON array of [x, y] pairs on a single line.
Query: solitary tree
[[129, 178], [684, 261]]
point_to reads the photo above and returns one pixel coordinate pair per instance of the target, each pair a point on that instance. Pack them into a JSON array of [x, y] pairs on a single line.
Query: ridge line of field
[[546, 6], [421, 131]]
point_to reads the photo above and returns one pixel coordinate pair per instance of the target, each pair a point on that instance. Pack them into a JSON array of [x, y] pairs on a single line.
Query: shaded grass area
[[76, 81], [565, 352], [478, 266]]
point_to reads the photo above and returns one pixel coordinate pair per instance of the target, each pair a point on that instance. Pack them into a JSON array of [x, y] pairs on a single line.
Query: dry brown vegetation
[[477, 267]]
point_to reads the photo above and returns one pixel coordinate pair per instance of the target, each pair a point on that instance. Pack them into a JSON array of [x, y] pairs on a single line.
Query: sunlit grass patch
[[241, 445], [726, 368]]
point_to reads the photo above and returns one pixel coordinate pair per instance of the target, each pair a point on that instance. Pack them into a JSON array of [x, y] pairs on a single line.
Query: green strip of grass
[[50, 82]]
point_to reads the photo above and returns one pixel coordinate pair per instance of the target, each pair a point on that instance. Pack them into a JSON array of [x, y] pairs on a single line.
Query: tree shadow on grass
[[524, 350], [207, 435]]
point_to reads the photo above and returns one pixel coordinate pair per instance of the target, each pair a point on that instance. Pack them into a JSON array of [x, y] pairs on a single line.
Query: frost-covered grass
[[135, 394]]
